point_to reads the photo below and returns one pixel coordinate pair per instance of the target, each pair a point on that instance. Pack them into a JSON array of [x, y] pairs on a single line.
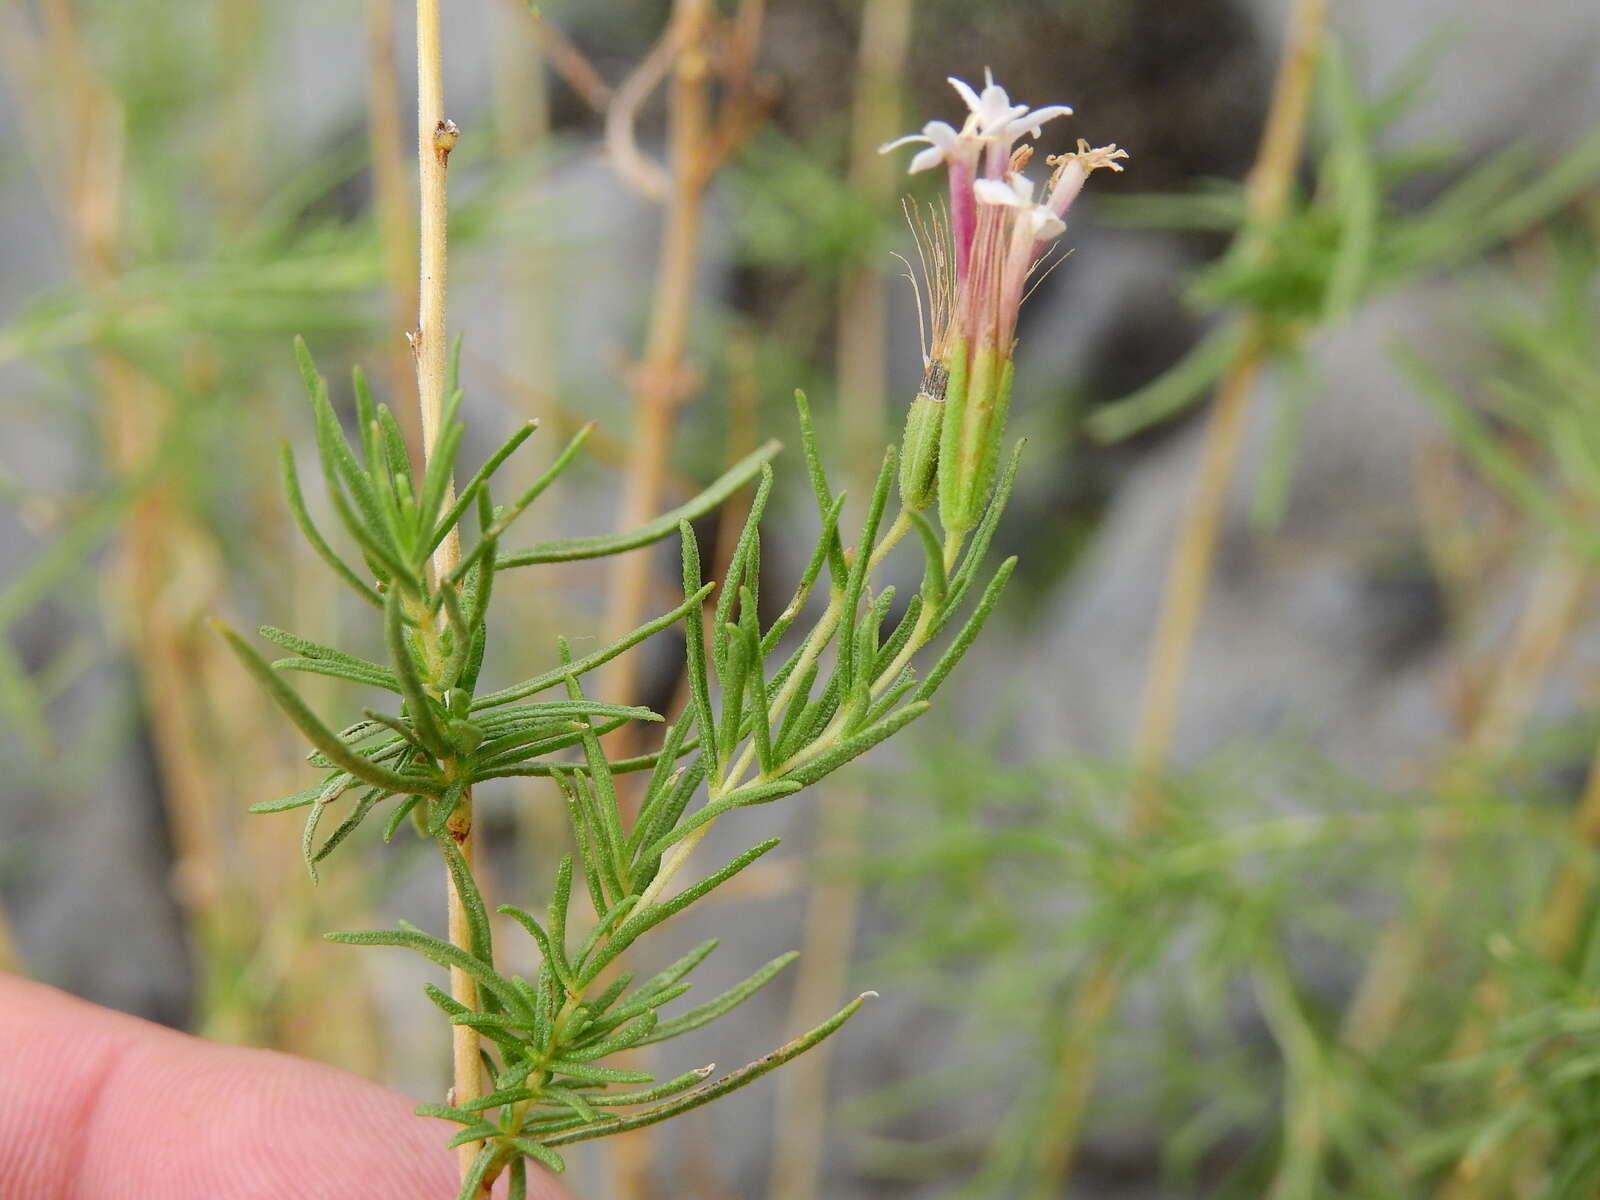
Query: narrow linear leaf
[[571, 549], [819, 485], [649, 918], [832, 759], [418, 703], [439, 951], [969, 632], [518, 506], [469, 491], [808, 578], [857, 580], [694, 640], [583, 666], [750, 794], [320, 736], [480, 942], [313, 536], [731, 1082], [724, 1003]]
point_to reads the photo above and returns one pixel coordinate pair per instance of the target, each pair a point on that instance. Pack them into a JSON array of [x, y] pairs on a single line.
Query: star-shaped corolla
[[1016, 191], [943, 144], [992, 114]]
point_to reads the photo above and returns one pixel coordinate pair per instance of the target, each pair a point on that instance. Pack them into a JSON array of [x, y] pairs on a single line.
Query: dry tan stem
[[1560, 921], [1075, 1070], [385, 139], [863, 368], [572, 65], [1188, 576], [661, 381], [435, 138], [648, 177]]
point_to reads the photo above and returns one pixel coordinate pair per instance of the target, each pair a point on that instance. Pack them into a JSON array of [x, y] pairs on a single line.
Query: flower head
[[998, 233], [993, 126]]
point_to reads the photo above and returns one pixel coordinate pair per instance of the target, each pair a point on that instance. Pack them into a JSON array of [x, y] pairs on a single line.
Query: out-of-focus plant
[[1235, 895], [159, 325], [1345, 240], [531, 1056]]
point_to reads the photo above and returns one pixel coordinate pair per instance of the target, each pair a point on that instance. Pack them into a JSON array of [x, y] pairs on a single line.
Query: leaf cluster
[[441, 738]]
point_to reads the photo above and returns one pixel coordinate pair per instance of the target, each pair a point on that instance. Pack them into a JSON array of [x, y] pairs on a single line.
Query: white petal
[[942, 135], [1030, 122], [926, 160], [908, 140], [1046, 224], [1021, 186], [967, 94], [992, 191], [996, 108]]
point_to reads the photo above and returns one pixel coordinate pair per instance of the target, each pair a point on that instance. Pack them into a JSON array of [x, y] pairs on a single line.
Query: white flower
[[942, 141], [990, 110], [991, 118], [992, 114], [1016, 191]]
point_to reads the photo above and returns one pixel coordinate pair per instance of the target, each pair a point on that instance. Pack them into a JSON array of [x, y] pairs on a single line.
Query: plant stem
[[384, 141], [1188, 579], [1560, 921], [435, 138]]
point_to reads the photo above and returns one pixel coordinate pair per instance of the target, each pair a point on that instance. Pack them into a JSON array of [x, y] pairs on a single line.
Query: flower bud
[[919, 449]]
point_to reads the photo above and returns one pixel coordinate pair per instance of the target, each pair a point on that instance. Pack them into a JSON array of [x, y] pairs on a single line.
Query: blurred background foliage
[[1266, 874]]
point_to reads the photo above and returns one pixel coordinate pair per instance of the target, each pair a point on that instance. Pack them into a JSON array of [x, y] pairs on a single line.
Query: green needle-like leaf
[[731, 1082], [572, 549], [729, 1000], [583, 666], [320, 736], [309, 531]]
